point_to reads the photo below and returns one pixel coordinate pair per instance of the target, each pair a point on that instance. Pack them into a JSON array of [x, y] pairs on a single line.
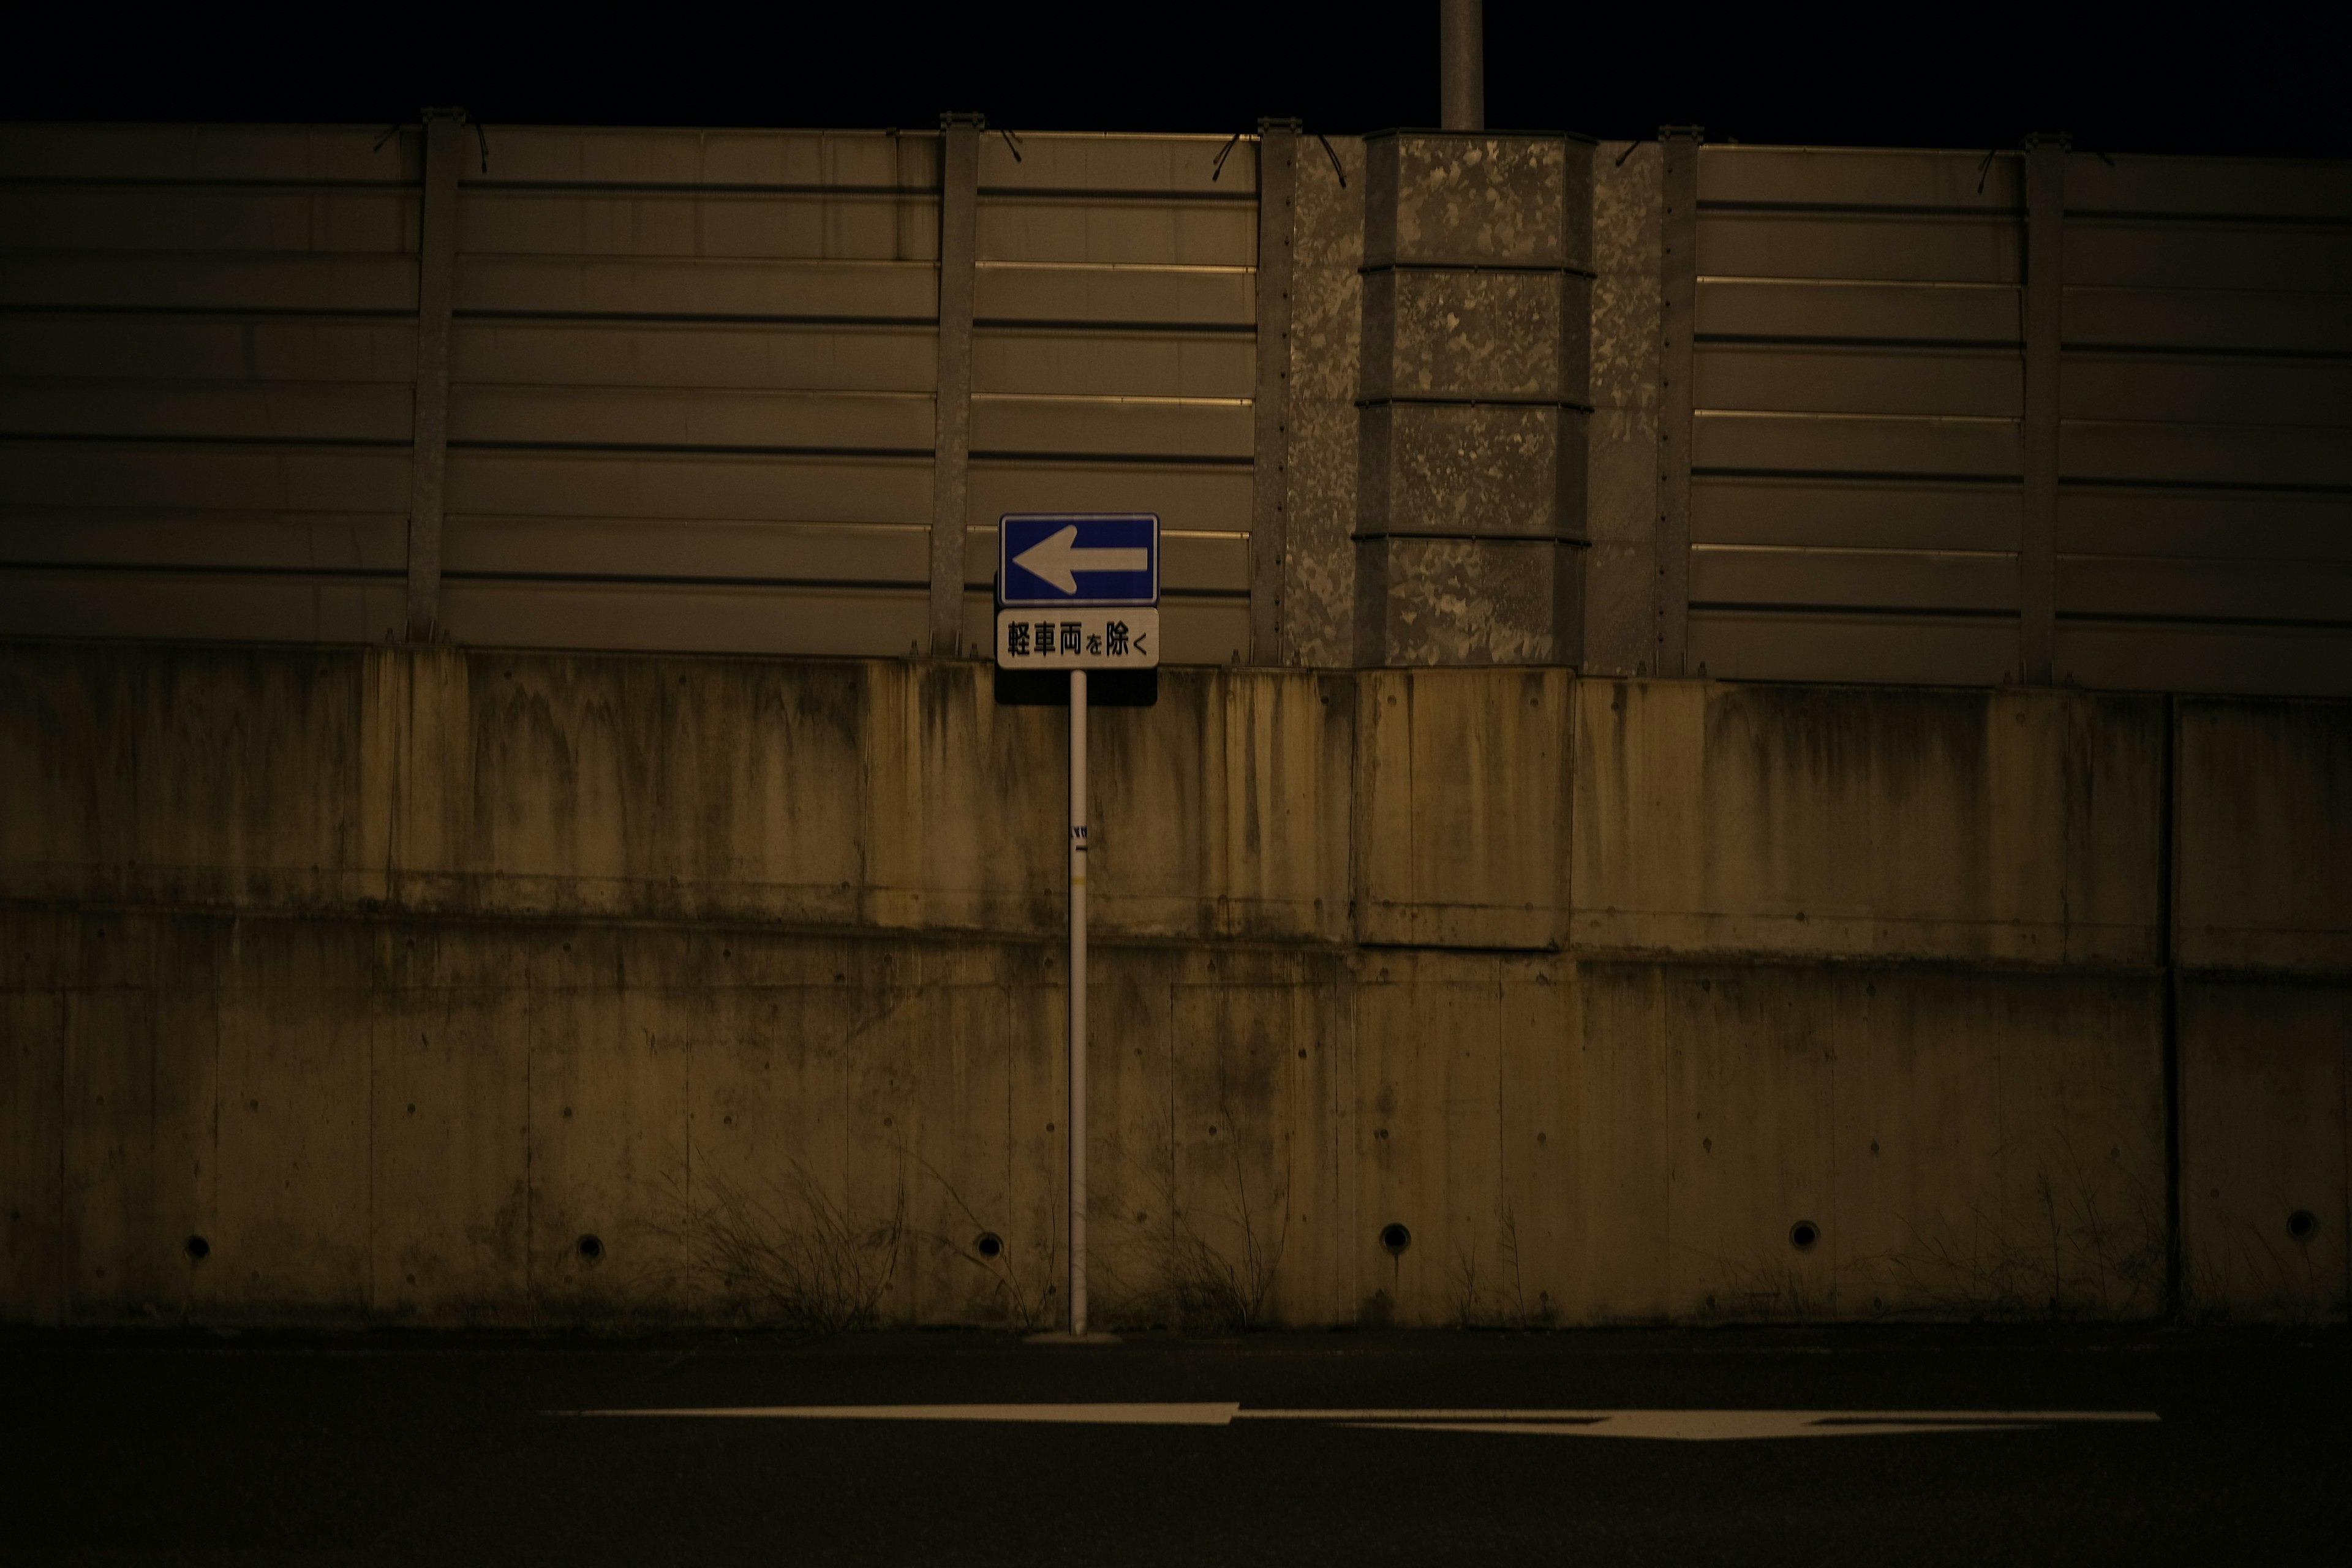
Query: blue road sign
[[1071, 558]]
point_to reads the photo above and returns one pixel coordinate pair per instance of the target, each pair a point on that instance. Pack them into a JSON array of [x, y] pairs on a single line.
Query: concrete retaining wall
[[394, 975]]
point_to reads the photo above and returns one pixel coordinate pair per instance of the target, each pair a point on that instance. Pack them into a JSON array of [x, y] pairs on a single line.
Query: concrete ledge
[[383, 1121]]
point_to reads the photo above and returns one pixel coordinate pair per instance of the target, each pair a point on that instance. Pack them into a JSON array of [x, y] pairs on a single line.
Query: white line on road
[[1100, 1415], [1683, 1425]]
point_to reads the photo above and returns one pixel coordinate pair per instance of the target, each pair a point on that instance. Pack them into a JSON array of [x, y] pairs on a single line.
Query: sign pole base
[[1062, 1337]]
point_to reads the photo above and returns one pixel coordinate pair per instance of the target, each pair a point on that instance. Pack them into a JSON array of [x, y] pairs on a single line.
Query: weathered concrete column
[[952, 477], [1477, 365], [2044, 315], [435, 287], [1277, 178], [1620, 570]]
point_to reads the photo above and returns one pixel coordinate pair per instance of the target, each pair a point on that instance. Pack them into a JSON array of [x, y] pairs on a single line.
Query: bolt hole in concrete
[[197, 1248], [591, 1249], [989, 1245], [2301, 1223], [1395, 1238], [1803, 1234]]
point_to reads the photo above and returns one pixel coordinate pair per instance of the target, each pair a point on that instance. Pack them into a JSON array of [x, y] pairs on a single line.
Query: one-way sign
[[1064, 559]]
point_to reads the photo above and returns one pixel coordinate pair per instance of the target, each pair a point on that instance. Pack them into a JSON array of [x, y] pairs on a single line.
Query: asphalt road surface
[[1909, 1446]]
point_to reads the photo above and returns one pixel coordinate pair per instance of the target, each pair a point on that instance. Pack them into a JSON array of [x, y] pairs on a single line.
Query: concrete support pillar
[[1678, 148], [952, 477], [1277, 179], [1476, 368], [435, 287], [1620, 570], [2045, 229]]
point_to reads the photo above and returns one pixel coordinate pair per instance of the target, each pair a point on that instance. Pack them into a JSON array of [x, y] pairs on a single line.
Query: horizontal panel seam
[[2114, 617], [653, 449], [1896, 476], [1924, 612]]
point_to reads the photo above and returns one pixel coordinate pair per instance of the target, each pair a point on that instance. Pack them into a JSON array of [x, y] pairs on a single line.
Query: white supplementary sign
[[1078, 639]]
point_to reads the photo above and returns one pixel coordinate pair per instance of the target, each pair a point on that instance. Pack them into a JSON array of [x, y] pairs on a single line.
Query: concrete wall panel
[[2011, 825], [1318, 1283], [1234, 1127], [1964, 1145], [1132, 1044], [597, 785], [1999, 1145], [1210, 810], [294, 1196], [1532, 1278], [1462, 783], [1611, 1244], [2263, 1113], [643, 939], [1430, 1135], [1569, 1142], [972, 827], [964, 1172], [2265, 839], [450, 1140], [217, 776], [1752, 1073], [33, 1129], [1222, 1166], [609, 1150], [141, 1172], [1036, 1228]]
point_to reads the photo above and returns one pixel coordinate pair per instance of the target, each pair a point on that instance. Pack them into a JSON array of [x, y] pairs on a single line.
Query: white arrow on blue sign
[[1066, 558]]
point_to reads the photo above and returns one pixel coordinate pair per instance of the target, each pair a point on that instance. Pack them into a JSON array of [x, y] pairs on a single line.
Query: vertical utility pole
[[1078, 1116], [1462, 65], [436, 281]]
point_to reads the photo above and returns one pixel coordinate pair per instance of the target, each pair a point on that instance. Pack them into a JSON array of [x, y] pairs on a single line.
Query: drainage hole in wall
[[197, 1248], [591, 1249], [1395, 1238], [987, 1244], [1803, 1234], [2301, 1223]]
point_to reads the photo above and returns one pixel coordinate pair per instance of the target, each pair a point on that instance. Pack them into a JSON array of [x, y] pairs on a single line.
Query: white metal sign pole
[[1075, 592], [1078, 1117]]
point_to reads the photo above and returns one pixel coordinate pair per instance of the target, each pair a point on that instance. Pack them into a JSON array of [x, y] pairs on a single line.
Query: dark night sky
[[2252, 79]]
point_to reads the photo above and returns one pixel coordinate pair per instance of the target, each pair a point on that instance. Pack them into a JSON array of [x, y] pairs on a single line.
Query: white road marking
[[1700, 1425], [1897, 1417], [1098, 1415], [1678, 1425]]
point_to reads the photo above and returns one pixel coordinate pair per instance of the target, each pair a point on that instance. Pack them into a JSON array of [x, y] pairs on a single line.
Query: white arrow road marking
[[1057, 559], [1715, 1426], [1683, 1425], [1097, 1414]]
